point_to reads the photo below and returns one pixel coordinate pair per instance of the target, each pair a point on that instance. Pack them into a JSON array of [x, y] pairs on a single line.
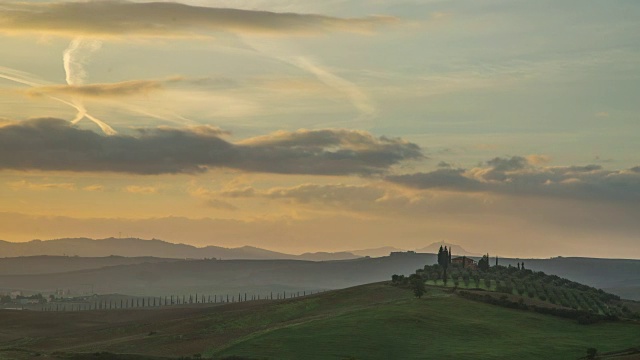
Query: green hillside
[[390, 323], [533, 287], [375, 321]]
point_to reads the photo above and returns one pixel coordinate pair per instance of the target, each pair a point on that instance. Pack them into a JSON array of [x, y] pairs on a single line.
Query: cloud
[[125, 88], [335, 194], [520, 177], [454, 179], [221, 205], [124, 18], [135, 189], [95, 187], [536, 159], [54, 144], [26, 185]]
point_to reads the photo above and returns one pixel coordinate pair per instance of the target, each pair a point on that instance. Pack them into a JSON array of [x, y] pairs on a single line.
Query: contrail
[[23, 78], [356, 96], [19, 77], [74, 59]]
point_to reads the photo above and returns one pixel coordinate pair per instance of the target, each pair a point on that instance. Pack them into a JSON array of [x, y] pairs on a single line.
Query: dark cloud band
[[518, 176], [54, 144]]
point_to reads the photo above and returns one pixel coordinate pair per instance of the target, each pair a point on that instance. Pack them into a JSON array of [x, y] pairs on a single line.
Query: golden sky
[[506, 127]]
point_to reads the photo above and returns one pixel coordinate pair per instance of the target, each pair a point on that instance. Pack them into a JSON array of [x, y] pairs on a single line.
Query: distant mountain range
[[457, 249], [133, 247]]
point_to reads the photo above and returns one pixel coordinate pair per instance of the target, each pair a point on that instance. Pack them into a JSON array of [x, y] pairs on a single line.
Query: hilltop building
[[465, 262]]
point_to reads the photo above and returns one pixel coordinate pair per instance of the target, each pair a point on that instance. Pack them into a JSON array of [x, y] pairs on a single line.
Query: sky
[[507, 127]]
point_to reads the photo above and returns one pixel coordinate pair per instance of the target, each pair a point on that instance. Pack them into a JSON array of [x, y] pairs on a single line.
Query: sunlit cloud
[[94, 187], [125, 88], [108, 19], [26, 185], [135, 189]]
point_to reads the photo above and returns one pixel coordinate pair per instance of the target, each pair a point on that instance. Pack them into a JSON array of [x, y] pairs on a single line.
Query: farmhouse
[[465, 262]]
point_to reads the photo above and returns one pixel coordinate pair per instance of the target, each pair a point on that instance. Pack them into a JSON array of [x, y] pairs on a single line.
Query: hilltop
[[375, 321]]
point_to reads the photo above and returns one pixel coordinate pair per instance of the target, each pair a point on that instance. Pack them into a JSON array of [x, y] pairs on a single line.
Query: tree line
[[169, 300]]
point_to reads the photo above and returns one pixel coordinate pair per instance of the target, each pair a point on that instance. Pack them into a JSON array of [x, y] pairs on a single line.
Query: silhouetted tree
[[417, 285], [443, 257], [483, 264]]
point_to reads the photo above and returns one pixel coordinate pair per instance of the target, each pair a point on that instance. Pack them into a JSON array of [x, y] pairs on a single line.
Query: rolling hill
[[218, 276], [375, 321], [158, 277], [31, 265]]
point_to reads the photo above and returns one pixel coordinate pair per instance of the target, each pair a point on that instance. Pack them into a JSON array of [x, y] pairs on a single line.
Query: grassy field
[[375, 321]]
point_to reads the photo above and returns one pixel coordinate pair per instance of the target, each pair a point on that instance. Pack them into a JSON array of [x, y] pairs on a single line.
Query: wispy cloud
[[94, 187], [125, 88], [135, 189], [358, 97], [124, 19], [26, 185]]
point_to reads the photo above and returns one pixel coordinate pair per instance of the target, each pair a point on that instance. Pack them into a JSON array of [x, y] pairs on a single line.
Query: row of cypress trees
[[146, 302]]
